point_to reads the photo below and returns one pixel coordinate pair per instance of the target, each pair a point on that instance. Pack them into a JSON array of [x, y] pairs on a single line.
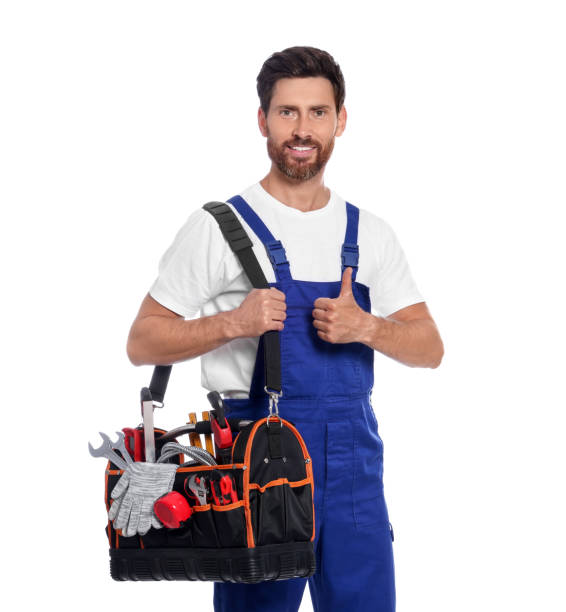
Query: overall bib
[[327, 396]]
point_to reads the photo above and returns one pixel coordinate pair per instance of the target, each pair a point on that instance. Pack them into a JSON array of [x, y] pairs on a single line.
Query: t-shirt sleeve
[[394, 287], [190, 270]]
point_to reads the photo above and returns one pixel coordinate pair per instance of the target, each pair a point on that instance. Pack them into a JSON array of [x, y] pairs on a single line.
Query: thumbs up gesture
[[340, 320]]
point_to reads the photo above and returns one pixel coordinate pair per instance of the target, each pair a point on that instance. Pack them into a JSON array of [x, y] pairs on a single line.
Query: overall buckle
[[350, 255], [276, 253]]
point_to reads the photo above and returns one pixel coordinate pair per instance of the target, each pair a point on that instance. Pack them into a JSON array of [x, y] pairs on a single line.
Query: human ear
[[262, 121], [342, 117]]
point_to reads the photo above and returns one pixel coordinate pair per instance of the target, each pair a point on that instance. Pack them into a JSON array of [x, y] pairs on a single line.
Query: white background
[[118, 119]]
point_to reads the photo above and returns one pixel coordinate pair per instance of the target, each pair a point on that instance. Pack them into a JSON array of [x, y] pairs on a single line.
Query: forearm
[[160, 340], [415, 343]]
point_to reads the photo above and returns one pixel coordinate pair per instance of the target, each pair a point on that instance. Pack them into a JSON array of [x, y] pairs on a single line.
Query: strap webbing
[[241, 244], [350, 250], [274, 248]]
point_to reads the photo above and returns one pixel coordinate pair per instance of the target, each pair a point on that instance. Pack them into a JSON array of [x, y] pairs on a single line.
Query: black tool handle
[[218, 406]]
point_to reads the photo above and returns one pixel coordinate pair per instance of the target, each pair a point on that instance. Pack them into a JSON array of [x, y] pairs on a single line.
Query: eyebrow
[[315, 107]]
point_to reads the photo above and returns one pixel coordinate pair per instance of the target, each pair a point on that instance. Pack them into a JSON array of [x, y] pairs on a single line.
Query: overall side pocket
[[367, 486]]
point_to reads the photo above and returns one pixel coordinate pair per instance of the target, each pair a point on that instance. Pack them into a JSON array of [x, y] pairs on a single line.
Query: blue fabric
[[326, 394], [350, 253], [274, 248]]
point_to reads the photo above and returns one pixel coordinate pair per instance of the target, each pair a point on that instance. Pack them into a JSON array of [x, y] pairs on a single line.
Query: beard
[[299, 169]]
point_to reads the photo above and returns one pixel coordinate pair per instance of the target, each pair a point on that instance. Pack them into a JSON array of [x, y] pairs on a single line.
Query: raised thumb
[[346, 287]]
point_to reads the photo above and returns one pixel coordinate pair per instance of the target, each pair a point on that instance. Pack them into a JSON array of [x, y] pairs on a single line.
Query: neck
[[302, 195]]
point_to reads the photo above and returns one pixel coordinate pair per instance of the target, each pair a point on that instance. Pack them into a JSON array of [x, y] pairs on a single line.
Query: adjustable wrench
[[197, 489]]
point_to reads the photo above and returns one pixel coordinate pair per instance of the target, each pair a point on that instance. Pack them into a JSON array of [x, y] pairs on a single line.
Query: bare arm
[[159, 336], [409, 335]]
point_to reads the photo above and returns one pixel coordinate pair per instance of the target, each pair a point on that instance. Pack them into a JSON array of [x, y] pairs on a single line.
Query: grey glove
[[139, 487]]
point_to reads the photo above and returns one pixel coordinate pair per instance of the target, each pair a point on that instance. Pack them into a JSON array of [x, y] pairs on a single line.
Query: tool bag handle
[[241, 244]]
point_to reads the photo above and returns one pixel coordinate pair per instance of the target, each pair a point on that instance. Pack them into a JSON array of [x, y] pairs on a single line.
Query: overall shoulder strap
[[241, 244], [274, 248], [350, 250]]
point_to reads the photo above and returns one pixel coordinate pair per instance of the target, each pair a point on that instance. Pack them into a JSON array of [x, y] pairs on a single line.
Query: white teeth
[[302, 148]]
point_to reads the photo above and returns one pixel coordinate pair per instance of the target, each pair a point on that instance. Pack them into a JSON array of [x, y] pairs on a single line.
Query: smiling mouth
[[301, 151]]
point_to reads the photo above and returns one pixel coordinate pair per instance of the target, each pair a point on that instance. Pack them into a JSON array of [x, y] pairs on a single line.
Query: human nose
[[302, 128]]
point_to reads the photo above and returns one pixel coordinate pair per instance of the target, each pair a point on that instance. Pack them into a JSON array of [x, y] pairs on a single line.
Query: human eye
[[285, 112], [319, 112]]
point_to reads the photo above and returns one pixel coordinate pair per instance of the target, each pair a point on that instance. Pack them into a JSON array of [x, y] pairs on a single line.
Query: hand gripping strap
[[241, 244]]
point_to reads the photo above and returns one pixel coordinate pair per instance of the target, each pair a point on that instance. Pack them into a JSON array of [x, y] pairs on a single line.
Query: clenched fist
[[262, 310]]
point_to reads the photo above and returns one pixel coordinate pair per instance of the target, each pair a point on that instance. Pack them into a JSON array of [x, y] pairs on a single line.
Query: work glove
[[139, 487]]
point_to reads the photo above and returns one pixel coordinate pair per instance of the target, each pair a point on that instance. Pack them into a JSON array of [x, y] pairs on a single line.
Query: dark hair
[[299, 62]]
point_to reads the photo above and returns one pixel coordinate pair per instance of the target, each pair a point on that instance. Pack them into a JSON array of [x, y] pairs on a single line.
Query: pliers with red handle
[[223, 488]]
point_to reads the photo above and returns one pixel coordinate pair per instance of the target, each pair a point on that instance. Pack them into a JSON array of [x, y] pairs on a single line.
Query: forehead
[[299, 91]]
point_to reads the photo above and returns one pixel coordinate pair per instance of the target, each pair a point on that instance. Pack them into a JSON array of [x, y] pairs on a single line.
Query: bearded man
[[340, 289]]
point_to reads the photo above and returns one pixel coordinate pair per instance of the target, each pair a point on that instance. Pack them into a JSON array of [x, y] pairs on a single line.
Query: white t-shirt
[[199, 273]]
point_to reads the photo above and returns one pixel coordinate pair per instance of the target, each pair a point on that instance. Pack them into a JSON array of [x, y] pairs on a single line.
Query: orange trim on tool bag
[[114, 472], [279, 481], [246, 479], [231, 506], [201, 468], [201, 508], [308, 466], [218, 508], [234, 446], [106, 488], [108, 503]]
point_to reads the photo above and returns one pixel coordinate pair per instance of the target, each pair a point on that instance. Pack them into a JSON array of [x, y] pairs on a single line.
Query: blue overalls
[[327, 396]]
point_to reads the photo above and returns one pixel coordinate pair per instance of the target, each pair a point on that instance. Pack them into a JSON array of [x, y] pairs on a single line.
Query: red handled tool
[[220, 428], [223, 489], [135, 443]]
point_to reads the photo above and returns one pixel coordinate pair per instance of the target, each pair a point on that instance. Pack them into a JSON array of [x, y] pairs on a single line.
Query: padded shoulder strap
[[241, 244]]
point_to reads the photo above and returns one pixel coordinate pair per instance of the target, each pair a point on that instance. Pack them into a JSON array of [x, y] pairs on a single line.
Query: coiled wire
[[198, 455]]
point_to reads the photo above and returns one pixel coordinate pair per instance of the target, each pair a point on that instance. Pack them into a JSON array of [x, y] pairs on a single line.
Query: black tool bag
[[268, 533]]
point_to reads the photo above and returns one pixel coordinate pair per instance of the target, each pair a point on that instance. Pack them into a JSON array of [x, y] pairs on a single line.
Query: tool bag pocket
[[212, 525], [278, 484], [209, 526], [281, 513], [221, 526]]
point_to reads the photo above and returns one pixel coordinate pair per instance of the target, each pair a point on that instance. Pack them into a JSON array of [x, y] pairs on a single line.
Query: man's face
[[302, 114]]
